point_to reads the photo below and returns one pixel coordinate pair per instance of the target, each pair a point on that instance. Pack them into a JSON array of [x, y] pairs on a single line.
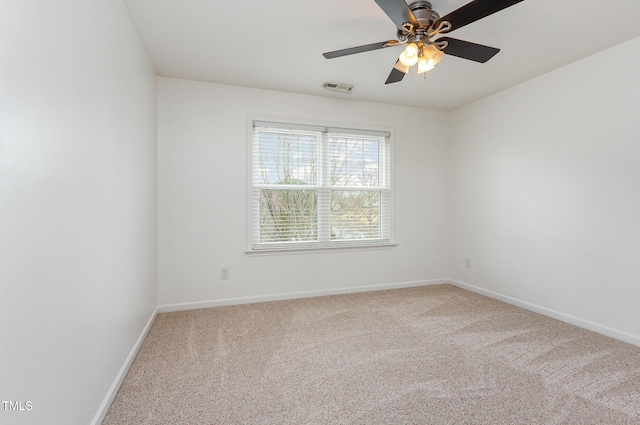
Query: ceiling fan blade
[[474, 11], [396, 74], [398, 12], [467, 50], [360, 49]]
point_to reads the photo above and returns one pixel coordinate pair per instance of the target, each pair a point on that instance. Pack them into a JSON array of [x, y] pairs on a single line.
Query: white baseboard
[[293, 295], [104, 407], [592, 326]]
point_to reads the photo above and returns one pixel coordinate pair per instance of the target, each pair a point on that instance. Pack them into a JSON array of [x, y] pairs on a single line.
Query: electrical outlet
[[224, 273], [467, 263]]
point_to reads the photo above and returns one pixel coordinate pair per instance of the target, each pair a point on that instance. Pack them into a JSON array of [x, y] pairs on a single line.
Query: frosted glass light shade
[[430, 55], [425, 65], [409, 56]]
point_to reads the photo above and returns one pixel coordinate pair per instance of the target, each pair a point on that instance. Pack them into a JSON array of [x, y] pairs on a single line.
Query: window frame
[[319, 244]]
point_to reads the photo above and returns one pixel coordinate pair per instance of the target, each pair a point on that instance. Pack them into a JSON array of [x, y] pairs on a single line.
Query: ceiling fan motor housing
[[425, 16], [423, 13]]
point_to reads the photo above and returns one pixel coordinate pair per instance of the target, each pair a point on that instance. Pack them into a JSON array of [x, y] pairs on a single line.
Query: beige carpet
[[430, 355]]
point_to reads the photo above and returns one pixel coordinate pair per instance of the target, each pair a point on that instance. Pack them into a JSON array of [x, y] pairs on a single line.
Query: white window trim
[[305, 247]]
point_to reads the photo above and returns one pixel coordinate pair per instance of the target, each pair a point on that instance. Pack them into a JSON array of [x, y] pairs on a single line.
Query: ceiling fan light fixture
[[409, 56]]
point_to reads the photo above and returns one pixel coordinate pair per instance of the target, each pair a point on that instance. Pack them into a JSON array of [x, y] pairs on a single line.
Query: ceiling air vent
[[339, 87]]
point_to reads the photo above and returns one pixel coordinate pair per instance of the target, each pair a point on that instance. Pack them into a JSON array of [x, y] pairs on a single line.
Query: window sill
[[318, 250]]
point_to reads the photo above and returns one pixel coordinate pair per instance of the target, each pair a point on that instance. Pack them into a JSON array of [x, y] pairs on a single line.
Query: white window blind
[[319, 187]]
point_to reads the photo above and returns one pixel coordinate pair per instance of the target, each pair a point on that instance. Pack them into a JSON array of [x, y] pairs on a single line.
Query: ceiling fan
[[420, 27]]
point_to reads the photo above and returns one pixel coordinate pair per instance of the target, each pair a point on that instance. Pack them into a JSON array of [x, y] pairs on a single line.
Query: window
[[319, 187]]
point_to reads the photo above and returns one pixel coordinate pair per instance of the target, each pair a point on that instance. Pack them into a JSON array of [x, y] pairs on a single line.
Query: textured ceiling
[[278, 45]]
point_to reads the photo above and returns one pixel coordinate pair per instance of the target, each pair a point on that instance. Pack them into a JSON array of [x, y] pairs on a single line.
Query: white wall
[[77, 204], [545, 191], [202, 196]]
